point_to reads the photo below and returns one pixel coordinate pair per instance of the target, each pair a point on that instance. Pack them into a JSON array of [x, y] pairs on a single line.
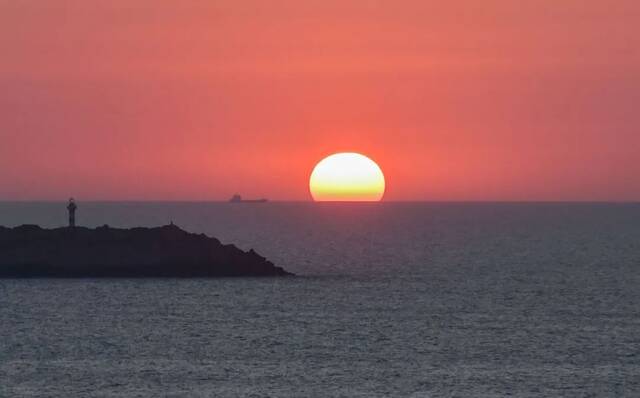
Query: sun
[[347, 176]]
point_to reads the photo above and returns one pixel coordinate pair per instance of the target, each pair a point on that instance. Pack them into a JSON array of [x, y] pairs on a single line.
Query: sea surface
[[391, 300]]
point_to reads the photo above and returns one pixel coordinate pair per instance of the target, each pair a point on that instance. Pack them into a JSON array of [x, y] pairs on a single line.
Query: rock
[[168, 251]]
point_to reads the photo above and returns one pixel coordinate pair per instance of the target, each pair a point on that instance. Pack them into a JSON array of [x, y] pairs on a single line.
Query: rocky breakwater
[[168, 251]]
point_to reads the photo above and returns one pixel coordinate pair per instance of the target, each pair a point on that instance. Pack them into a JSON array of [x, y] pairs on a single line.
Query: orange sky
[[197, 100]]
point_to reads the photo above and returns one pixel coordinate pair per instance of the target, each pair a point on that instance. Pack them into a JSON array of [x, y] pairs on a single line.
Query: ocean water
[[391, 300]]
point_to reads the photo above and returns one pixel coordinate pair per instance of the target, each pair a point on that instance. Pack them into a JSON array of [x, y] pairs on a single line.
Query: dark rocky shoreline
[[29, 251]]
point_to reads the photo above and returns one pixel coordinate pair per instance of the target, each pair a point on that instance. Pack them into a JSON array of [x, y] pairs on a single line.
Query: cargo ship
[[238, 199]]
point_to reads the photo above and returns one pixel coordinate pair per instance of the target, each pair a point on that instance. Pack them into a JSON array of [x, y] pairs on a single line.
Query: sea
[[389, 300]]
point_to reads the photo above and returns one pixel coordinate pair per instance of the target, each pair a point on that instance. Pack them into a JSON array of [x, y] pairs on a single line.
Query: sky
[[198, 100]]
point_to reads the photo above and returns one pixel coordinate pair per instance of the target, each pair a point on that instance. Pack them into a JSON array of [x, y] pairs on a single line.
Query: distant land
[[168, 251]]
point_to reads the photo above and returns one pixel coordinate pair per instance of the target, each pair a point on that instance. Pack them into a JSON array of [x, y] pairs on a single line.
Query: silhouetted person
[[72, 212]]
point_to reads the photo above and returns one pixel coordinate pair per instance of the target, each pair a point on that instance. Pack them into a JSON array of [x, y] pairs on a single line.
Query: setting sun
[[347, 176]]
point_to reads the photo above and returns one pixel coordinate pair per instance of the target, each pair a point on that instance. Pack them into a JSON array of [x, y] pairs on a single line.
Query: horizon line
[[439, 201]]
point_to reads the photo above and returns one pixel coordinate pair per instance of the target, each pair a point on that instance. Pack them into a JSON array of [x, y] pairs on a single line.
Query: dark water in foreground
[[398, 300]]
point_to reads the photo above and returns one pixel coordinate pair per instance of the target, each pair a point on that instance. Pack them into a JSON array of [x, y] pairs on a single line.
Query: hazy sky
[[456, 100]]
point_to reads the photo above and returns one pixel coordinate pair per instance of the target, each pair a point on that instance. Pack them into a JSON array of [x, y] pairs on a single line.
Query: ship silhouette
[[238, 199]]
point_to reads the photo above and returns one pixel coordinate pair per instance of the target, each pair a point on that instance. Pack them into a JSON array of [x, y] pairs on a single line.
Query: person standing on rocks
[[72, 212]]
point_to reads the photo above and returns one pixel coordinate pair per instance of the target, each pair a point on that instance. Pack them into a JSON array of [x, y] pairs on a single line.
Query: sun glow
[[347, 176]]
